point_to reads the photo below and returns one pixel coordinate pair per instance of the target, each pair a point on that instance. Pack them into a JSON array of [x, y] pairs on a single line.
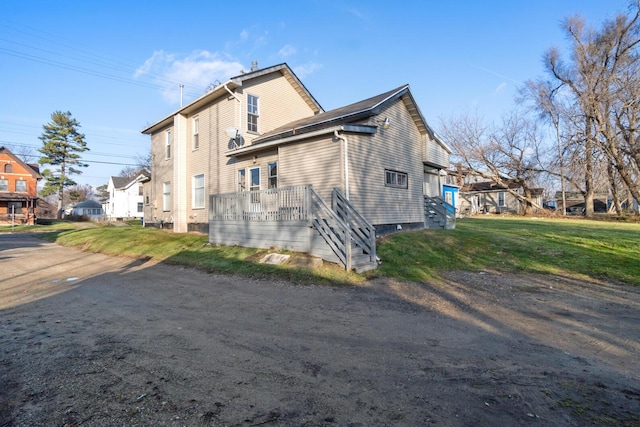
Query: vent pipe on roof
[[181, 94]]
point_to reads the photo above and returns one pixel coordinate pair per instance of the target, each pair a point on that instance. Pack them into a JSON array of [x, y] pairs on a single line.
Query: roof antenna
[[254, 65]]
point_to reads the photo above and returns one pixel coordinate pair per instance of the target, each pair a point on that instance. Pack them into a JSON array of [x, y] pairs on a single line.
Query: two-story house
[[257, 162], [18, 189], [126, 197]]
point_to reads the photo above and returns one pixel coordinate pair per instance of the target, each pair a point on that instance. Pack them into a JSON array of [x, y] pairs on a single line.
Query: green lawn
[[577, 248]]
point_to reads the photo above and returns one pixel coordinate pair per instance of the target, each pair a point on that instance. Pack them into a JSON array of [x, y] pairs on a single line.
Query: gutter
[[273, 143]]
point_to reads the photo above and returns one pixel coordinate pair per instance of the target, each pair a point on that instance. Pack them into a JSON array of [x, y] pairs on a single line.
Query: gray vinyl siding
[[398, 148], [316, 161], [435, 154], [295, 236]]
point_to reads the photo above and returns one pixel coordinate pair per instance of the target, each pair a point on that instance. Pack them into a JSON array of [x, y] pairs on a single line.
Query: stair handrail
[[442, 208], [362, 231], [334, 231]]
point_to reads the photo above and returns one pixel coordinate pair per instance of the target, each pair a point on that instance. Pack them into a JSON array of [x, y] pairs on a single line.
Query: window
[[140, 190], [8, 168], [196, 132], [4, 185], [146, 199], [395, 179], [501, 199], [168, 153], [166, 196], [254, 176], [198, 192], [242, 180], [252, 113], [273, 175], [14, 207], [21, 186], [140, 207]]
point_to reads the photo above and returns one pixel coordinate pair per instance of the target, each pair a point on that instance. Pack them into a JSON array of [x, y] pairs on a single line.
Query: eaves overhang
[[362, 129]]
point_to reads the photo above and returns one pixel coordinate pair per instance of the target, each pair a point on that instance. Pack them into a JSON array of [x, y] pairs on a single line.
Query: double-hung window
[[198, 191], [196, 133], [168, 145], [166, 196], [395, 179], [273, 175], [4, 185], [501, 202], [252, 113], [21, 186]]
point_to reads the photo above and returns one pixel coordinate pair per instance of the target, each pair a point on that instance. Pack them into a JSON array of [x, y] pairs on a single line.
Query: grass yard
[[577, 248], [570, 247]]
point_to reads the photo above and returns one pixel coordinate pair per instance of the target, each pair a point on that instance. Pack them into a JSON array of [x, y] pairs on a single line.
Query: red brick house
[[18, 189]]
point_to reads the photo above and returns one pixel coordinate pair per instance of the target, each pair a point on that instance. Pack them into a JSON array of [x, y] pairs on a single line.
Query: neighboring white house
[[90, 209], [126, 198]]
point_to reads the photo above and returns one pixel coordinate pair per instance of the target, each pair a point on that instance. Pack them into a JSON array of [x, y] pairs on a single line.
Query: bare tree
[[508, 153], [602, 76]]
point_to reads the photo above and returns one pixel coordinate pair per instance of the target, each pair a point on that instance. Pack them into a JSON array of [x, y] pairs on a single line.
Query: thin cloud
[[195, 71], [500, 88], [287, 51], [306, 69]]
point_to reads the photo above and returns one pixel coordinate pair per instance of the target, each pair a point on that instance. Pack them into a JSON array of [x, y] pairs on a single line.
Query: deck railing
[[340, 227], [437, 210], [276, 204], [362, 231]]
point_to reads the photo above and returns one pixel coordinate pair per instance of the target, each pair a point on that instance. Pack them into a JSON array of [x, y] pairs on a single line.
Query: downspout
[[240, 109], [346, 162]]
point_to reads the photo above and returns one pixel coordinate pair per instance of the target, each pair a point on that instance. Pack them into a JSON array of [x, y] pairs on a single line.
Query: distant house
[[576, 203], [89, 209], [491, 197], [126, 197], [257, 162], [18, 189]]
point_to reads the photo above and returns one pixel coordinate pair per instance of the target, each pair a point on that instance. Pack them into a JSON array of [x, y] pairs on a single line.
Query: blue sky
[[117, 65]]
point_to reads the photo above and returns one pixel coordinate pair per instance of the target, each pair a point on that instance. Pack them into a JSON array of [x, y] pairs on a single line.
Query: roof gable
[[222, 90], [31, 169]]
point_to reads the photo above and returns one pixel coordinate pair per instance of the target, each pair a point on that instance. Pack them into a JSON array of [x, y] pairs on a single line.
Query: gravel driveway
[[91, 340]]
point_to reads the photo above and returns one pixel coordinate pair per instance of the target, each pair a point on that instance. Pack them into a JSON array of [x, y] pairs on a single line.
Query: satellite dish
[[231, 132]]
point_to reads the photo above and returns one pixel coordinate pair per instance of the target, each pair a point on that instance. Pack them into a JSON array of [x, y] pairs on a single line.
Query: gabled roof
[[233, 83], [120, 181], [33, 169], [343, 118]]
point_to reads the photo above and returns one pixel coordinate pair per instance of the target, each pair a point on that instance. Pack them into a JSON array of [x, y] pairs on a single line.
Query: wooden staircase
[[438, 214], [350, 236]]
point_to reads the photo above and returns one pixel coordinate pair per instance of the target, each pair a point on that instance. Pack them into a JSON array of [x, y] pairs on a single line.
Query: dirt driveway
[[90, 340]]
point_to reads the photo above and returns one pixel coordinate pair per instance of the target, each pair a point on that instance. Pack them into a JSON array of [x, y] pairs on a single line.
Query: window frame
[[140, 207], [166, 196], [253, 113], [502, 201], [8, 168], [242, 180], [195, 190], [393, 178], [26, 186], [167, 152], [4, 185], [272, 178], [195, 124]]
